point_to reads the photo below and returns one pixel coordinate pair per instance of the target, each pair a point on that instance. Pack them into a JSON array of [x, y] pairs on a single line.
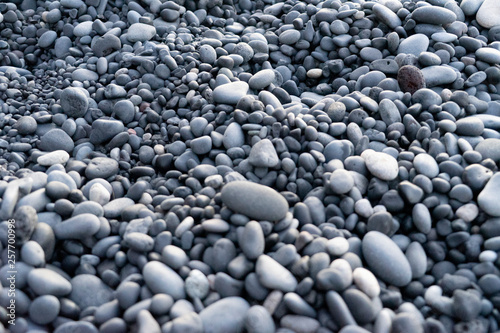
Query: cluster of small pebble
[[260, 166]]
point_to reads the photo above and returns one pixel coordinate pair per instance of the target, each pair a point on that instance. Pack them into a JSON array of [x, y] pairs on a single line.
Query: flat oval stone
[[254, 200], [78, 227], [161, 279], [488, 54], [140, 32], [438, 75], [433, 15], [386, 259], [488, 198], [230, 93], [225, 315]]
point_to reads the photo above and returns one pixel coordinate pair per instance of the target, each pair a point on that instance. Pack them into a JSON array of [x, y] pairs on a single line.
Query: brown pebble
[[410, 79]]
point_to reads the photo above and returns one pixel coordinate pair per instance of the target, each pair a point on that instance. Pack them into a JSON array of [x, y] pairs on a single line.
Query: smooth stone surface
[[381, 165], [44, 309], [386, 15], [56, 139], [438, 75], [244, 197], [426, 165], [385, 259], [263, 155], [261, 79], [55, 157], [489, 148], [274, 276], [414, 44], [488, 54], [101, 167], [140, 32], [389, 112], [487, 199], [225, 315], [162, 279], [258, 320], [488, 14], [78, 227], [89, 290], [230, 93], [433, 15], [44, 281]]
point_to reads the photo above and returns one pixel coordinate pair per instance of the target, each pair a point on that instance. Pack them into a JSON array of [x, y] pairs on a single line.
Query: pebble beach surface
[[231, 166]]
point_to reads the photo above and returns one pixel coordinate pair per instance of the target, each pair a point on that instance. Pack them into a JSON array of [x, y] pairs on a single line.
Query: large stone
[[385, 259], [254, 200], [225, 315], [488, 198], [438, 75], [274, 276], [89, 290], [140, 32], [381, 165], [263, 155], [230, 93], [161, 279], [414, 44], [488, 14]]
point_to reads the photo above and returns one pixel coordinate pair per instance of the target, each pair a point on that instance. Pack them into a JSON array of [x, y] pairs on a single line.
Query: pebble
[[26, 125], [386, 15], [389, 112], [385, 259], [242, 197], [78, 227], [162, 279], [214, 166], [230, 313], [426, 165], [487, 15], [486, 199], [44, 309], [414, 44], [263, 155], [55, 157], [44, 281], [433, 15], [88, 290], [410, 79], [261, 79], [274, 276], [381, 165], [230, 93], [438, 75], [258, 320], [140, 32], [56, 139]]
